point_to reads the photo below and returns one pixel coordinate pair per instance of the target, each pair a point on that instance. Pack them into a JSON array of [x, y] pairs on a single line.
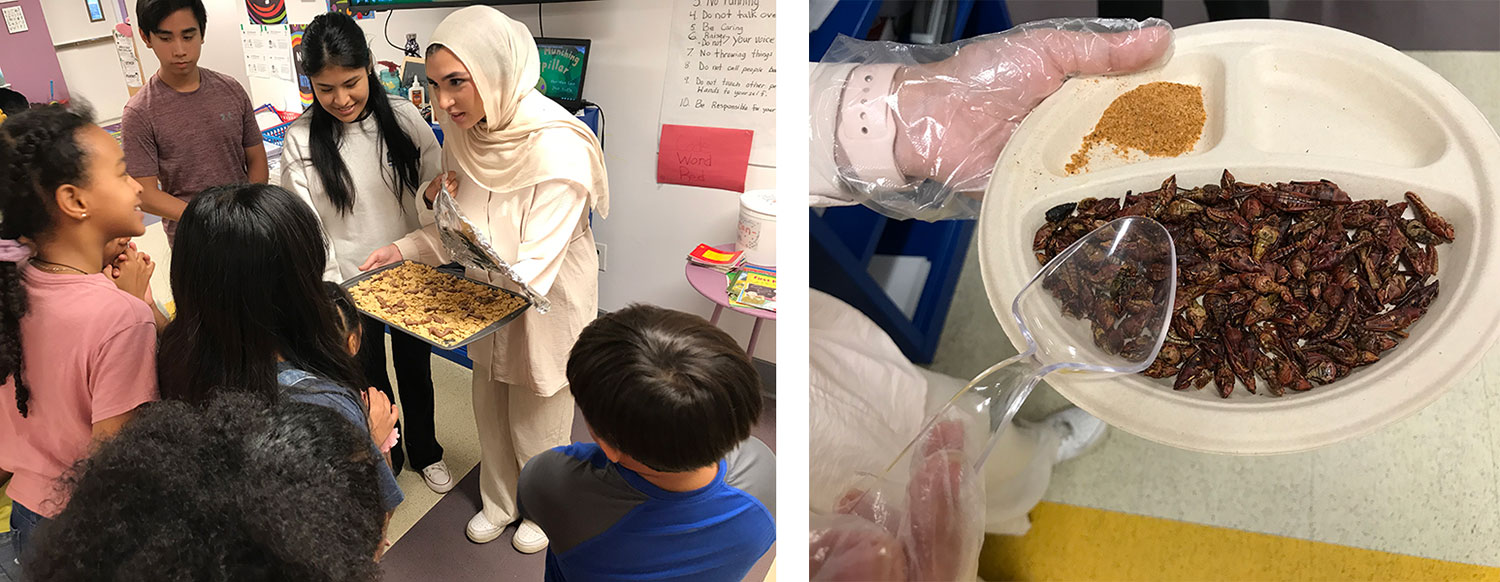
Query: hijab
[[525, 138]]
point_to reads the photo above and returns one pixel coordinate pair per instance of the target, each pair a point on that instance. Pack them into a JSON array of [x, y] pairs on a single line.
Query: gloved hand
[[930, 529], [954, 115]]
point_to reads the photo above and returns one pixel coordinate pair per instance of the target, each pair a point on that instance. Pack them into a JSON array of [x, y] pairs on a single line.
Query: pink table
[[710, 284]]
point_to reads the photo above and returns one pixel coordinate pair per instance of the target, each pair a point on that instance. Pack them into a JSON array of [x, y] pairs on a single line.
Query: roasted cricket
[[1290, 284]]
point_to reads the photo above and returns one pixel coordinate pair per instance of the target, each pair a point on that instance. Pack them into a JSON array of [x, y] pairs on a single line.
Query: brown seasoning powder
[[1161, 119]]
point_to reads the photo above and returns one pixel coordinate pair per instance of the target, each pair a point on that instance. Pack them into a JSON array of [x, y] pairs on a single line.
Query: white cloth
[[376, 218], [868, 401], [543, 232], [525, 138]]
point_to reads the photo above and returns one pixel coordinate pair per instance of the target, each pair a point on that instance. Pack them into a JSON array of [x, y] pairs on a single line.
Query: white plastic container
[[1285, 101], [757, 235]]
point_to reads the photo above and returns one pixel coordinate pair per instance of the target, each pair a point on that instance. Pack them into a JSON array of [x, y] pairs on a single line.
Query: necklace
[[53, 268]]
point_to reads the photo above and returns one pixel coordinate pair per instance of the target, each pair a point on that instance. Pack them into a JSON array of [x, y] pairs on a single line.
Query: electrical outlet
[[603, 251]]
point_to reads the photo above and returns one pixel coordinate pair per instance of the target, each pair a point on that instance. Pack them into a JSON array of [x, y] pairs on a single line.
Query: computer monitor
[[564, 64]]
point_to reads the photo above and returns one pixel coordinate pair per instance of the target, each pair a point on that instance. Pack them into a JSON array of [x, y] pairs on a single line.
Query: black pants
[[412, 359], [1217, 9]]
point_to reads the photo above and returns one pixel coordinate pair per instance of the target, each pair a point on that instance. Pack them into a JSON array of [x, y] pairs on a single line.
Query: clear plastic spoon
[[1101, 306], [1121, 281]]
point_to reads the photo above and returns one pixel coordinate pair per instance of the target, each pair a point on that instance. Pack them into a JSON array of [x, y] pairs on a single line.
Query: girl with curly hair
[[232, 491]]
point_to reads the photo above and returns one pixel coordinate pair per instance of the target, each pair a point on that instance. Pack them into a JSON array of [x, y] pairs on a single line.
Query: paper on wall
[[125, 51], [268, 51], [721, 69], [707, 157], [250, 43]]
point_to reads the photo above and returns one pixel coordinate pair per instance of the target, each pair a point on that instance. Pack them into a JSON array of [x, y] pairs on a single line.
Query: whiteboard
[[721, 69]]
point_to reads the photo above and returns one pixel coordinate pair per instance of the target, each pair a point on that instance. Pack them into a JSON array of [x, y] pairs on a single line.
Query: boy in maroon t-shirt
[[189, 128]]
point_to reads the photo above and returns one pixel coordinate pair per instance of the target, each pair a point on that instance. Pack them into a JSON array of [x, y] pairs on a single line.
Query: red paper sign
[[710, 157]]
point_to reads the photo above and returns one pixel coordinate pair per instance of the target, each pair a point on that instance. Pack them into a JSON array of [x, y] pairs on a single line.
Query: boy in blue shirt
[[674, 488]]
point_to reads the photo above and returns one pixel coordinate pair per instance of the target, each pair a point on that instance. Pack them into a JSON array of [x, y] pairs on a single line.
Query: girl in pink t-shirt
[[77, 330]]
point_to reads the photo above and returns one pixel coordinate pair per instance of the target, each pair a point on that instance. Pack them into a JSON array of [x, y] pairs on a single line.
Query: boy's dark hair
[[40, 153], [345, 302], [236, 491], [152, 12], [12, 102], [665, 387]]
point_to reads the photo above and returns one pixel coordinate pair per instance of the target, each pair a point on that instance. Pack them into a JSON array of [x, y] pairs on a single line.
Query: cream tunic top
[[543, 233]]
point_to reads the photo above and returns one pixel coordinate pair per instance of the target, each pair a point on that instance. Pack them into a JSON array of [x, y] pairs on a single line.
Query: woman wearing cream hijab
[[528, 172]]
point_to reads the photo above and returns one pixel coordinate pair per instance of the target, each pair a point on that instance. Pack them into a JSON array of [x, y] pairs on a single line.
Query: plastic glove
[[929, 528], [955, 113]]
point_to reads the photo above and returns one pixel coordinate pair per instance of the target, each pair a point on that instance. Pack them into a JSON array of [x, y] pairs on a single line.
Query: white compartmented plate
[[1285, 101]]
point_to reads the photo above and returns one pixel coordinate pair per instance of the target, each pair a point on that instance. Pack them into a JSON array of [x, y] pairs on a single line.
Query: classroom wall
[[92, 70], [651, 227], [27, 57]]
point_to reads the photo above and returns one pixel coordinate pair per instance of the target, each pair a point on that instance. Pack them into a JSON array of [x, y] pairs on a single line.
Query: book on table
[[752, 288], [716, 259]]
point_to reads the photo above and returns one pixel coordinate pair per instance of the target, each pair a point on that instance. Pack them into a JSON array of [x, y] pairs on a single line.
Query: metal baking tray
[[487, 330]]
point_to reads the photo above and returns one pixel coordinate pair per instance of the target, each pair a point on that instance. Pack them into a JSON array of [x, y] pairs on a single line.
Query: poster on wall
[[342, 6], [721, 70], [266, 11], [304, 85]]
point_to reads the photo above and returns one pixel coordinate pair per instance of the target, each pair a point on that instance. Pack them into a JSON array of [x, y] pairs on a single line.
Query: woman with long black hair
[[358, 157]]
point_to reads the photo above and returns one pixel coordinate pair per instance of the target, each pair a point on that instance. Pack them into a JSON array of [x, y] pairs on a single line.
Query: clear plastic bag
[[921, 522], [955, 105], [472, 249], [931, 501]]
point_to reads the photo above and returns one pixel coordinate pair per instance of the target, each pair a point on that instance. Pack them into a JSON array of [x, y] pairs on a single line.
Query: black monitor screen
[[564, 61]]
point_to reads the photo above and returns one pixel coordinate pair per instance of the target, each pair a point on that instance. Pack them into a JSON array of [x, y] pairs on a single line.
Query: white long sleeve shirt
[[377, 218]]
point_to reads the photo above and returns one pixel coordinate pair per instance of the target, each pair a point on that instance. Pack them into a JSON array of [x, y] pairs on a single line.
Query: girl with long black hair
[[252, 314], [358, 158]]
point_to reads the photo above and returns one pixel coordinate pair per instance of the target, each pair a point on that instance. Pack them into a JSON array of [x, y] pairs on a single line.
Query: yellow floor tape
[[1077, 543]]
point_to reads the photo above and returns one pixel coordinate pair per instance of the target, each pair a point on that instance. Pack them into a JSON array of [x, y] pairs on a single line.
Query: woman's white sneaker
[[437, 477], [529, 538], [481, 531]]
